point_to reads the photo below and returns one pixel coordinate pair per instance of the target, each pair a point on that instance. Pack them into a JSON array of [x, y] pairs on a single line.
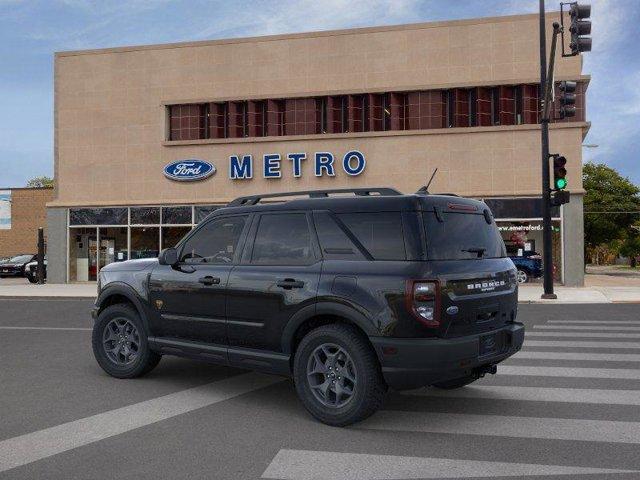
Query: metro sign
[[241, 167]]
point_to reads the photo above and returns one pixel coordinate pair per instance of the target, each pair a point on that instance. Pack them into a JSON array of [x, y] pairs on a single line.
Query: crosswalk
[[582, 415]]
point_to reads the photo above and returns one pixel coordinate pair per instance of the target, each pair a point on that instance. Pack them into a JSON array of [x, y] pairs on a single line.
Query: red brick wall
[[28, 212]]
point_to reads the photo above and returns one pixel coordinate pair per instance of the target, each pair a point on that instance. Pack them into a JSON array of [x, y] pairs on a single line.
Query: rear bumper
[[418, 362]]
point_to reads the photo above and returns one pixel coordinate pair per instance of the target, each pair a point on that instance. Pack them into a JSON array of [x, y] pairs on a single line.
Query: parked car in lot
[[15, 266], [348, 295], [31, 270], [528, 265]]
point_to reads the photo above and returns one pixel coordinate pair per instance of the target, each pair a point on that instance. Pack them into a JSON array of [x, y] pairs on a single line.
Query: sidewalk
[[593, 294], [15, 289], [527, 293]]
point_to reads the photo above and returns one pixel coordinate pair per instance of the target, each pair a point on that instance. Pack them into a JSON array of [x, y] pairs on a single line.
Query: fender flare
[[325, 308], [127, 291]]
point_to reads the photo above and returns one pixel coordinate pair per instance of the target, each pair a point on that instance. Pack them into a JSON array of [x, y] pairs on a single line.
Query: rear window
[[462, 236], [380, 233]]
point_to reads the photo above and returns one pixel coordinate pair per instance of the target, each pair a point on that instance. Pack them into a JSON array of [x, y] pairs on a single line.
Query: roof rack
[[360, 192]]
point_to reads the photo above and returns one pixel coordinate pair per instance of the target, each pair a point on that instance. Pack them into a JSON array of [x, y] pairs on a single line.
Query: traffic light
[[580, 26], [559, 198], [567, 98], [559, 172]]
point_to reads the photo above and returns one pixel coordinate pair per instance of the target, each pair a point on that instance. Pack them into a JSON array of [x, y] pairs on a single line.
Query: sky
[[31, 30]]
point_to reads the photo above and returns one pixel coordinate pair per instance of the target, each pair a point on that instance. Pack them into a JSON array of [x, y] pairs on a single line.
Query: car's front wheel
[[120, 343], [337, 375]]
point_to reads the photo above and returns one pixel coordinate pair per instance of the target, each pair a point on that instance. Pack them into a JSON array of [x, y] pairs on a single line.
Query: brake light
[[423, 301]]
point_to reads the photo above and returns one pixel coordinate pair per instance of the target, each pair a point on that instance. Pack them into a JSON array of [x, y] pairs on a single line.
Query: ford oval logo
[[188, 170]]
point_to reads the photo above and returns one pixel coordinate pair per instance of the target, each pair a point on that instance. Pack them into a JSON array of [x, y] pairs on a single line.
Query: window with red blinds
[[187, 122], [375, 112]]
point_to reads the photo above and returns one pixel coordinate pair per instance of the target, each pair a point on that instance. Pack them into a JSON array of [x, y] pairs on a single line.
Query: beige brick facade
[[28, 212], [112, 125]]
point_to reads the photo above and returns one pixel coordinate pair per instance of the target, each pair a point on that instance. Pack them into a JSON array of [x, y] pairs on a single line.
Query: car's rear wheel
[[120, 343], [455, 383], [522, 276], [337, 375], [31, 278]]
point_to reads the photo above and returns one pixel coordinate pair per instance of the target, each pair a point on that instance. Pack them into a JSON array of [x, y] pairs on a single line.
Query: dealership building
[[150, 139]]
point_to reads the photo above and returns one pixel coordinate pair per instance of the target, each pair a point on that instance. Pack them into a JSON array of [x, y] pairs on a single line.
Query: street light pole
[[546, 191]]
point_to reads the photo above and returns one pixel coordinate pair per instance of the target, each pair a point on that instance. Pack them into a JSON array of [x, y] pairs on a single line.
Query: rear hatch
[[478, 288]]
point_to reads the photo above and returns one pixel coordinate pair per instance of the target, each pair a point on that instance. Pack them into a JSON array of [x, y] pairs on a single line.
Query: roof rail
[[360, 192]]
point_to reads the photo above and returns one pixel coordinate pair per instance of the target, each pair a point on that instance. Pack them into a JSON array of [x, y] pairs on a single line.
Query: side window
[[283, 239], [215, 242], [335, 244], [380, 233]]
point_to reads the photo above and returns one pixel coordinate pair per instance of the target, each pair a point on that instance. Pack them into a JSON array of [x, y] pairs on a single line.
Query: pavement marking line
[[588, 328], [534, 333], [584, 344], [569, 372], [536, 394], [313, 465], [506, 426], [48, 328], [603, 357], [598, 322], [31, 447]]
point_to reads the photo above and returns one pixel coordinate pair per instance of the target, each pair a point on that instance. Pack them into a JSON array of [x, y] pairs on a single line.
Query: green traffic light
[[561, 183]]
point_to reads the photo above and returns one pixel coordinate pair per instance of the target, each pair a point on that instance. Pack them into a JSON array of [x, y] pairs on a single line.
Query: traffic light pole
[[546, 191]]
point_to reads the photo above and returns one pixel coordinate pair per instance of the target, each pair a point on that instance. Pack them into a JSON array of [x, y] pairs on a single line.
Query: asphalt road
[[567, 406]]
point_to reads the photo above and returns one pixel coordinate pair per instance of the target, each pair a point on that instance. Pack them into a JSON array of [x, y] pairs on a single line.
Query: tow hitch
[[483, 370]]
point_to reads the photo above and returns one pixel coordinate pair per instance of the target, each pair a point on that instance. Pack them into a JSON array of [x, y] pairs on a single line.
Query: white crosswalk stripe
[[506, 426], [536, 394], [603, 357], [583, 344], [569, 372], [598, 322], [315, 465], [602, 335], [588, 328]]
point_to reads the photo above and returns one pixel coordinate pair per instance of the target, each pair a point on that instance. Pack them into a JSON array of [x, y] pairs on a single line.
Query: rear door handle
[[289, 283], [209, 280]]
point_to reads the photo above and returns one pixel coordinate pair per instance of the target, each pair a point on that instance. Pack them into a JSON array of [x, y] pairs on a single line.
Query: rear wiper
[[477, 250]]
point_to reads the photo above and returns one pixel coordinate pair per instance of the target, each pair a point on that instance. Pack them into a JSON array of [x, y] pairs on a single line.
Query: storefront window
[[176, 215], [113, 246], [145, 216], [98, 216], [172, 235], [82, 254], [145, 242], [203, 210]]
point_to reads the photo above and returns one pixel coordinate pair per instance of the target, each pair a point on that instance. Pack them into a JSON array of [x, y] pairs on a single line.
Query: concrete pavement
[[545, 414]]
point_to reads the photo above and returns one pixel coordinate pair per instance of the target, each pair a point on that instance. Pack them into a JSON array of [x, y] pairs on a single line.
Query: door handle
[[209, 280], [289, 283]]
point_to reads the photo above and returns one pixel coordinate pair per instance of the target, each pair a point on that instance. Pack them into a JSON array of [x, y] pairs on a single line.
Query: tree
[[611, 205], [40, 182]]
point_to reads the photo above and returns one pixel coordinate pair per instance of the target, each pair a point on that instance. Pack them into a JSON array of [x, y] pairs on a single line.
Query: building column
[[57, 245], [573, 241]]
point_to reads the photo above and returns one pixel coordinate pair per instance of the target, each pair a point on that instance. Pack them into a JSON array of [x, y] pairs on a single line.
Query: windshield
[[462, 236], [21, 258]]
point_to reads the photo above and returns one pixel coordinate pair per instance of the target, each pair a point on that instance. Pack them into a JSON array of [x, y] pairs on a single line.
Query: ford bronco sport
[[348, 294]]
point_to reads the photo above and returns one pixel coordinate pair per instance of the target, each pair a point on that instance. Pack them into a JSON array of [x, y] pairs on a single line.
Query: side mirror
[[168, 256]]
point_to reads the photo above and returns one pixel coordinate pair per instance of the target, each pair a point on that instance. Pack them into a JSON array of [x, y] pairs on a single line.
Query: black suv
[[349, 295]]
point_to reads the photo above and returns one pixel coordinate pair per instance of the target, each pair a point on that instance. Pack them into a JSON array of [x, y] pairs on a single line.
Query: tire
[[32, 279], [368, 390], [134, 365], [455, 383], [522, 276]]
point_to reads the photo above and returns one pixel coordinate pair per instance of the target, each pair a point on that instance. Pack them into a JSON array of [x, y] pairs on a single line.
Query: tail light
[[423, 301]]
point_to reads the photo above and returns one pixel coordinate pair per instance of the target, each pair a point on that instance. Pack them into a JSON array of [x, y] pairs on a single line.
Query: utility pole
[[547, 257]]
